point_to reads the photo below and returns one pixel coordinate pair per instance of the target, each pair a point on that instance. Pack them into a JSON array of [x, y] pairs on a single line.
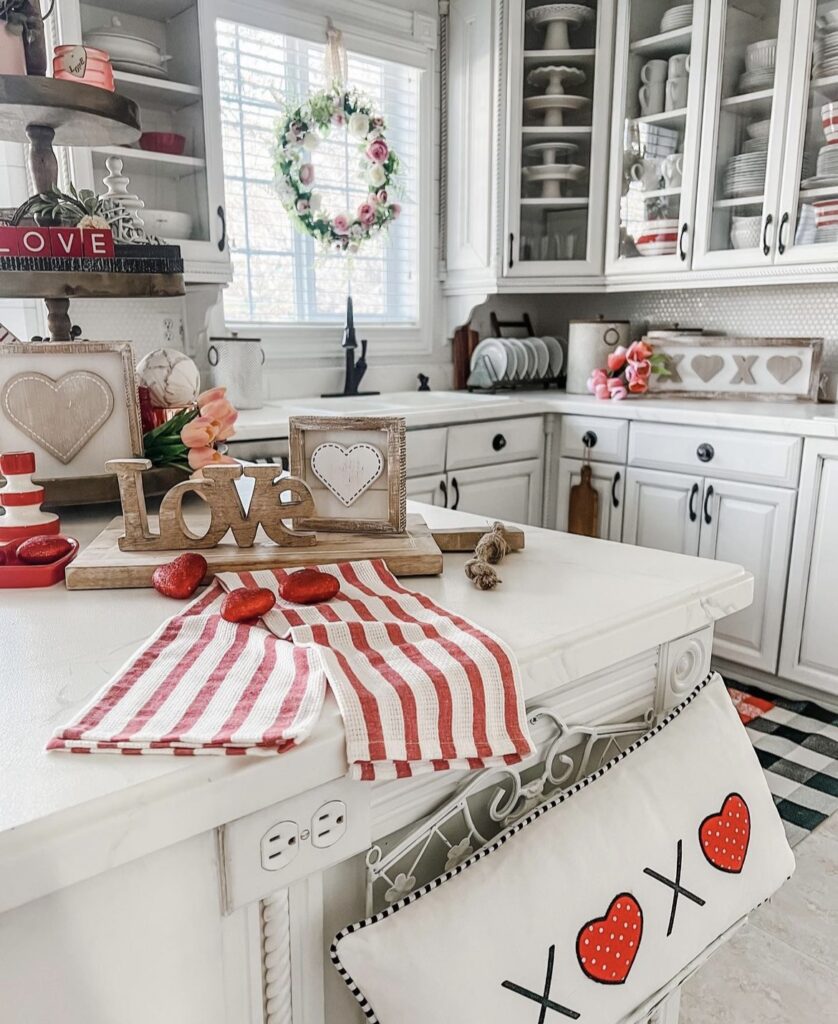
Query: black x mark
[[544, 999], [676, 887]]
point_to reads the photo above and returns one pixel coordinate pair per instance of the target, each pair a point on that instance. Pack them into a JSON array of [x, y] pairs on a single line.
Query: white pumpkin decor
[[172, 378]]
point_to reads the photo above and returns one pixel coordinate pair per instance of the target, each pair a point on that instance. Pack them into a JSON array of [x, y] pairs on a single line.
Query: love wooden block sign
[[56, 242]]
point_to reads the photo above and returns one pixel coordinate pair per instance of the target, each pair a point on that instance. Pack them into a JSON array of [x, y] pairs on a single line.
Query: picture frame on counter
[[355, 469], [711, 366], [74, 404]]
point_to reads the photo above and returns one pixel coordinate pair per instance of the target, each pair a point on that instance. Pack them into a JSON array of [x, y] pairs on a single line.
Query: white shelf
[[666, 117], [163, 163], [818, 193], [664, 43], [723, 204], [156, 92], [827, 85], [761, 99]]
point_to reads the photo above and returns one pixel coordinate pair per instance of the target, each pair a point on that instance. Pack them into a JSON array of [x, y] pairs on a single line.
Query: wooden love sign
[[217, 487]]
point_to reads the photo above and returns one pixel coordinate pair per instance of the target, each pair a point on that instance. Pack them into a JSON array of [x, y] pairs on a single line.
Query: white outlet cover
[[280, 845], [329, 824]]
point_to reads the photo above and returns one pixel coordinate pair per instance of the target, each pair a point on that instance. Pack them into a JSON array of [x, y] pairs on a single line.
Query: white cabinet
[[731, 521], [433, 489], [810, 639], [511, 491], [609, 483]]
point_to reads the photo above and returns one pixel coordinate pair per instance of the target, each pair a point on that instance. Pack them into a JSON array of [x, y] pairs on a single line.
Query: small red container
[[163, 142], [17, 575]]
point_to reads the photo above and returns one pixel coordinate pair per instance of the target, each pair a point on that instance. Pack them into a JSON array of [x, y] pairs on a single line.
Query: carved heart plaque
[[347, 472], [60, 415], [707, 366], [74, 61], [783, 368]]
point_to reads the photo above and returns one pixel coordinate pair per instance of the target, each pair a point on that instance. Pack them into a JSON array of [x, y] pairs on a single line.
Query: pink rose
[[381, 195], [200, 457], [306, 174], [378, 151], [199, 433], [638, 351], [339, 118], [378, 121], [303, 206], [395, 210], [340, 224], [617, 359], [366, 214], [601, 391]]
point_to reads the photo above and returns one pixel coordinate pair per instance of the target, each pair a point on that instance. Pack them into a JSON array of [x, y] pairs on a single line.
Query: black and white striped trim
[[496, 844]]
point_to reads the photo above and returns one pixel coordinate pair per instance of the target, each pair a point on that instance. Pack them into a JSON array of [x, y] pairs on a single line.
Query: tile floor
[[782, 967]]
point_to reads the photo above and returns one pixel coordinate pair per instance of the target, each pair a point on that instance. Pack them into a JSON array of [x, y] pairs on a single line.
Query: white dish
[[761, 55], [759, 129], [542, 354], [755, 146], [820, 181], [133, 68], [556, 354], [756, 81], [531, 371], [677, 17], [518, 357], [167, 223], [121, 45], [493, 352], [657, 248]]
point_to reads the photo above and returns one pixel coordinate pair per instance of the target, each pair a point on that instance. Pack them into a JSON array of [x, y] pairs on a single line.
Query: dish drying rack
[[483, 377]]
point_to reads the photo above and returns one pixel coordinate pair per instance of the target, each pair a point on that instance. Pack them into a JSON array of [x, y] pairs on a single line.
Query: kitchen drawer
[[484, 444], [426, 451], [610, 438], [735, 454]]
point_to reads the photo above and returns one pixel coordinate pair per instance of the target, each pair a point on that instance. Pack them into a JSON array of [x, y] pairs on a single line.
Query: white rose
[[315, 200], [359, 125], [311, 140], [376, 176]]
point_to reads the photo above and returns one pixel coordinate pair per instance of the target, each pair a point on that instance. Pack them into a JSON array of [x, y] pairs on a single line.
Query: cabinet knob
[[705, 452], [498, 442], [589, 439]]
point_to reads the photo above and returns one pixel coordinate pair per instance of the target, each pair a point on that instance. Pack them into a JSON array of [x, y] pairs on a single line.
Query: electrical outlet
[[280, 845], [328, 824]]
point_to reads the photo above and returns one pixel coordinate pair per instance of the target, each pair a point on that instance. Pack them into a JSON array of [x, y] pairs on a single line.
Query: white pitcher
[[236, 363]]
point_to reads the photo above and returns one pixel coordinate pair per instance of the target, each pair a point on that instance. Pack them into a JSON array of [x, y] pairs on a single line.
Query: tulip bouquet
[[188, 440], [628, 372]]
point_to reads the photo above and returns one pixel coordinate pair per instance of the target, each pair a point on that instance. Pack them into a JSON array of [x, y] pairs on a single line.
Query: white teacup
[[652, 98], [673, 170], [679, 66], [676, 93], [653, 71], [647, 173]]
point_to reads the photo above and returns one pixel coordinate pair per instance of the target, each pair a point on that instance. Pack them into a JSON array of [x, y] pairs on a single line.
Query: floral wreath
[[300, 133]]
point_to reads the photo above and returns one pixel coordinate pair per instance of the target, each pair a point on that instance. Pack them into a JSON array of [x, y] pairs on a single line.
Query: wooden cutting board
[[102, 566]]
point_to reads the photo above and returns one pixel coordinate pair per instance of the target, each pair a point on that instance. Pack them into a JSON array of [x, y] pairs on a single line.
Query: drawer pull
[[766, 245], [498, 442], [693, 494], [707, 499], [444, 488], [705, 452], [615, 501], [589, 439], [456, 487]]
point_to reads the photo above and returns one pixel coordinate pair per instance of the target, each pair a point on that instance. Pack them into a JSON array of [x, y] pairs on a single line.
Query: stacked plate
[[828, 161], [826, 55], [657, 238], [677, 17], [516, 360], [745, 175]]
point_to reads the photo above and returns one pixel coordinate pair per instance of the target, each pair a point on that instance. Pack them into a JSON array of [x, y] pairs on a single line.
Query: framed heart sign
[[355, 469]]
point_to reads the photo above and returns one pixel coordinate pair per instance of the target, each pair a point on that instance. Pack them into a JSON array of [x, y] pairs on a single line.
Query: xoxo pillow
[[597, 902]]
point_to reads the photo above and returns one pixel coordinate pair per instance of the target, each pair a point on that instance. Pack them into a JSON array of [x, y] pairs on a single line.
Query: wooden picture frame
[[74, 404], [345, 446], [722, 366]]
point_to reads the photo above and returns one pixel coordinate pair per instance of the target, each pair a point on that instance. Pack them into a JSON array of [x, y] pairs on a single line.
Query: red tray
[[20, 575]]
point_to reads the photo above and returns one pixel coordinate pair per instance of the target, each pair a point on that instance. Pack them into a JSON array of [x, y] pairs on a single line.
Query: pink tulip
[[638, 386], [601, 391], [378, 151], [638, 351], [199, 432], [617, 359], [200, 457], [211, 395], [639, 370], [619, 393]]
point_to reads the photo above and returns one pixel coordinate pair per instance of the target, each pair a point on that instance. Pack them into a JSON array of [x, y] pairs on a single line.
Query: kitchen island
[[138, 880]]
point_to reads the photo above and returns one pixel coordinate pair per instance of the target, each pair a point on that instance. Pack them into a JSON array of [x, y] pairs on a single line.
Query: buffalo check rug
[[796, 742]]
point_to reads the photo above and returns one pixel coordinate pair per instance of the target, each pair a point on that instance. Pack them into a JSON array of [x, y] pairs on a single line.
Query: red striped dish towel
[[420, 689], [202, 685]]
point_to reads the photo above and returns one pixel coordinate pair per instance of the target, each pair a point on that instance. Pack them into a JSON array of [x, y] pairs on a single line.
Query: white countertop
[[568, 606], [425, 409]]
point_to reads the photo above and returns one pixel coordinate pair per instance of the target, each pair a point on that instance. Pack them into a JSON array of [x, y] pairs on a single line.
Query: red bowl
[[163, 142]]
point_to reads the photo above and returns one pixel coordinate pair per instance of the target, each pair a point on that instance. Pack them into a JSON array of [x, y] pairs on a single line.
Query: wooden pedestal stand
[[45, 112]]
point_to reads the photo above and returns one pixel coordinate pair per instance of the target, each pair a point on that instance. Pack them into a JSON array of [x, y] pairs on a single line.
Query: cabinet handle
[[707, 499], [693, 494], [498, 442], [615, 501], [781, 241], [589, 439], [444, 488], [766, 248], [682, 252], [222, 242], [456, 487], [511, 247], [705, 452]]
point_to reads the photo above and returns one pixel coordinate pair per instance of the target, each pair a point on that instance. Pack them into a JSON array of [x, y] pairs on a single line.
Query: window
[[282, 276]]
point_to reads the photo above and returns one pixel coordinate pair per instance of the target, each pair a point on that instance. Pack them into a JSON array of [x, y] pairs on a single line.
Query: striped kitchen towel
[[420, 689], [202, 685]]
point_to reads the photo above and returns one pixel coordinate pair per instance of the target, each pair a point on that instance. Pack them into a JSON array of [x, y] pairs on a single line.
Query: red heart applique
[[606, 946], [724, 836]]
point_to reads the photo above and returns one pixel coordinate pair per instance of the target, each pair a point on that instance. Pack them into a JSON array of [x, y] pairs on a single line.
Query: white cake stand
[[559, 18], [552, 151], [553, 107], [554, 77], [551, 177]]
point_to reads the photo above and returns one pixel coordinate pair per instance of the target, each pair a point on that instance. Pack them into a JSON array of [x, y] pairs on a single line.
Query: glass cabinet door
[[655, 140], [808, 229], [744, 123], [559, 81]]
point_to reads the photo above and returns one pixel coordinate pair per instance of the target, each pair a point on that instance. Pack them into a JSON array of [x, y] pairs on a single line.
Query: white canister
[[588, 344], [236, 363]]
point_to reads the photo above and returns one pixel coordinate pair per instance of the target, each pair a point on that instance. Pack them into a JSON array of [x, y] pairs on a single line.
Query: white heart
[[347, 472]]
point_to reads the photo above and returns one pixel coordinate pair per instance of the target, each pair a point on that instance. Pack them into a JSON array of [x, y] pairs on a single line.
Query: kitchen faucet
[[354, 370]]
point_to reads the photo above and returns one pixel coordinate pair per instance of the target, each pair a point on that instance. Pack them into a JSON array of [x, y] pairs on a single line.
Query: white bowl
[[761, 55], [759, 129], [745, 232], [167, 223]]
